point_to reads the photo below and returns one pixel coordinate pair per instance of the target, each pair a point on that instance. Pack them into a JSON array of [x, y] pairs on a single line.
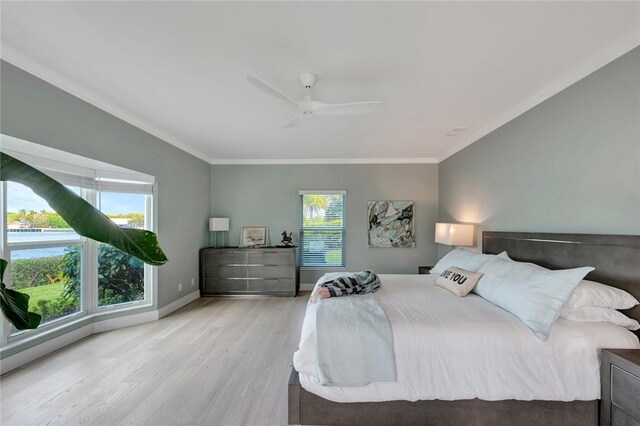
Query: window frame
[[342, 229], [89, 271]]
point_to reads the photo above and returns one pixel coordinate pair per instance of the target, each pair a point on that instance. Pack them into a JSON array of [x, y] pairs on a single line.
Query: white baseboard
[[31, 354], [306, 286], [124, 321], [177, 304]]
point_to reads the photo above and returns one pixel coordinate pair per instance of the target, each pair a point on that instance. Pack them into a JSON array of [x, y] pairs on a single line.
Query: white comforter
[[450, 347]]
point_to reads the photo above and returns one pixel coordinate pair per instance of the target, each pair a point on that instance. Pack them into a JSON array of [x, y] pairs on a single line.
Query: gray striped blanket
[[346, 284]]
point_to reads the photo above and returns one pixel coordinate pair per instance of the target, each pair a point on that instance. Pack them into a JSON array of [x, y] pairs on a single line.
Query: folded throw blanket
[[351, 283], [354, 342]]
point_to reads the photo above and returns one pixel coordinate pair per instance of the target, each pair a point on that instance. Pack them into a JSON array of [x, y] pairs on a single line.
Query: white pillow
[[533, 294], [591, 293], [595, 314], [464, 259], [458, 281]]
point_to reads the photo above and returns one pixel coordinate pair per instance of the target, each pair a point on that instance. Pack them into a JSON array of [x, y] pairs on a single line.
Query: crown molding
[[613, 52], [43, 72], [597, 61], [293, 161]]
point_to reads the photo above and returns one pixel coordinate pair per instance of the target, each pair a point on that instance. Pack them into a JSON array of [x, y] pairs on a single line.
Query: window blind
[[322, 229], [129, 182]]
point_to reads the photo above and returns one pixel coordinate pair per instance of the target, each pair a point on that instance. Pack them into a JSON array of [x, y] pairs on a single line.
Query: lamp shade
[[454, 234], [218, 224]]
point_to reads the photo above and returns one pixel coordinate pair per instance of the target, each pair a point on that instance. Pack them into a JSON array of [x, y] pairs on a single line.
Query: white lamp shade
[[218, 224], [454, 234]]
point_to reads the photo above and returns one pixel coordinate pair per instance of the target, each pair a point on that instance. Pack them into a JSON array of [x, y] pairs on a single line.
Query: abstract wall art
[[391, 224]]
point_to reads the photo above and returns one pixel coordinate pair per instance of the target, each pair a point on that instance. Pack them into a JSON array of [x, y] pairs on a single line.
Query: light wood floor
[[214, 362]]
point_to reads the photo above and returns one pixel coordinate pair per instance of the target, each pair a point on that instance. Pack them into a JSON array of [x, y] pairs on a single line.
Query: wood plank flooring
[[214, 362]]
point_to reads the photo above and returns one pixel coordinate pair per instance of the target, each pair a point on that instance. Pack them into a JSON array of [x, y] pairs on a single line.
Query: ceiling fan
[[307, 107]]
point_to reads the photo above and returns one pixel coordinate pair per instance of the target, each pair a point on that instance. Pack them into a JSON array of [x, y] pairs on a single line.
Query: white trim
[[43, 72], [123, 321], [177, 304], [285, 161], [306, 286], [94, 326], [322, 192], [584, 69]]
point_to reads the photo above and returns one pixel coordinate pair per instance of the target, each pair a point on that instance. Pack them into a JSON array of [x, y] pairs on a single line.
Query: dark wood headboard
[[615, 257]]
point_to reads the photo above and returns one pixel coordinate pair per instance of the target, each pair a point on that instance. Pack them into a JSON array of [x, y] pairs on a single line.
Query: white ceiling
[[178, 69]]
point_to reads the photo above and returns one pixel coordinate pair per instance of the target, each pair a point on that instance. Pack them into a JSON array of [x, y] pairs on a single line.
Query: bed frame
[[617, 262]]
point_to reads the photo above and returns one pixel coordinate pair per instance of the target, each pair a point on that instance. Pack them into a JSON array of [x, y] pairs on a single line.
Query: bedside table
[[620, 381], [424, 269]]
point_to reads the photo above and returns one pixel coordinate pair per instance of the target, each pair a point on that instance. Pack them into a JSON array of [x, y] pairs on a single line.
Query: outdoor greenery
[[49, 301], [53, 283], [41, 219], [120, 276], [322, 211], [36, 272], [46, 219]]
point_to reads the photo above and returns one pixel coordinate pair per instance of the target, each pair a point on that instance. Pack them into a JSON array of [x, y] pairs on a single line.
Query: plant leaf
[[3, 267], [15, 307], [85, 219]]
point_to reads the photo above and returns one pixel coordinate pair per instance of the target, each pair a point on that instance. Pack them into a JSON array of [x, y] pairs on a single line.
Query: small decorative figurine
[[286, 239]]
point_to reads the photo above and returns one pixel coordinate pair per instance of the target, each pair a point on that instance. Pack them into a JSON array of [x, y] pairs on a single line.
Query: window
[[66, 275], [38, 245], [120, 276], [322, 229]]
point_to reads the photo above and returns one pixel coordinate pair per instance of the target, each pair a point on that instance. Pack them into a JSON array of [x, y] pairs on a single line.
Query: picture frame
[[254, 236]]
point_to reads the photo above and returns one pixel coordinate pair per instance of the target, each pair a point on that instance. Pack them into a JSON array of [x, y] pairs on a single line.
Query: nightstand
[[620, 381], [424, 269]]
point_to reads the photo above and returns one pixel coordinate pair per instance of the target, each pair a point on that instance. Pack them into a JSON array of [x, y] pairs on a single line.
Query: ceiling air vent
[[456, 131]]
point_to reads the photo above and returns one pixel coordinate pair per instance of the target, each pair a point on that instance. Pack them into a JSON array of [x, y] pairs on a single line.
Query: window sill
[[20, 342]]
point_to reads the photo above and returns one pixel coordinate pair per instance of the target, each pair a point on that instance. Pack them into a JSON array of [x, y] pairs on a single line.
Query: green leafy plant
[[85, 219], [120, 276], [15, 305]]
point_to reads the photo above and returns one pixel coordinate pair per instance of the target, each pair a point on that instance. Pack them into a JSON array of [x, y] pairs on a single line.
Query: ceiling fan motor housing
[[308, 79]]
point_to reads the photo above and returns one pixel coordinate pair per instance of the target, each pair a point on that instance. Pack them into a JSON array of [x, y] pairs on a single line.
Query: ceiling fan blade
[[270, 90], [292, 123], [353, 108]]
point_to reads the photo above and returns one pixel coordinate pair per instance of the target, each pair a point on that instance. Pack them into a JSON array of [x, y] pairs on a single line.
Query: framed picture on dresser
[[254, 236]]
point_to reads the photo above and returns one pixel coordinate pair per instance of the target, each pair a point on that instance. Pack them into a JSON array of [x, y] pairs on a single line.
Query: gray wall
[[268, 195], [571, 164], [36, 111]]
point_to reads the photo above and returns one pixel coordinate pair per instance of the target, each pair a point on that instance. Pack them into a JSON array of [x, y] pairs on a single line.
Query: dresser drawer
[[225, 258], [272, 285], [271, 257], [625, 391], [271, 272], [215, 286], [213, 271]]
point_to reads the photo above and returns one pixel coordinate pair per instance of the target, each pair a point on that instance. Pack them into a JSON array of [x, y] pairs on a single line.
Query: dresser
[[620, 379], [235, 271]]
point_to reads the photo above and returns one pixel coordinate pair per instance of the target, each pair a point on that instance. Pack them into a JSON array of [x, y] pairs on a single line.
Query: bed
[[502, 375]]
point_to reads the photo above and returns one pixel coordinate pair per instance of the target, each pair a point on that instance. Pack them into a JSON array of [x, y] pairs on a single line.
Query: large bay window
[[68, 276]]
